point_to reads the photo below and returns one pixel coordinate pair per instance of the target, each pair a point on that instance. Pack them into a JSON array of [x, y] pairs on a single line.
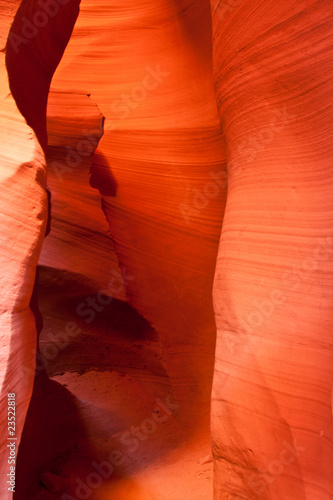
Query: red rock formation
[[272, 395], [124, 363], [160, 208], [23, 182], [162, 144], [28, 61]]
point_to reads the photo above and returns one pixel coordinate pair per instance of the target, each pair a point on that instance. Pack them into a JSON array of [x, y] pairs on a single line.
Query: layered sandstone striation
[[159, 168], [23, 183], [136, 113], [159, 173], [26, 71], [272, 394]]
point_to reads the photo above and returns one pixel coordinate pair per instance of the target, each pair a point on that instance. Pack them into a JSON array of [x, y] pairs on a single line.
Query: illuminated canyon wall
[[168, 167]]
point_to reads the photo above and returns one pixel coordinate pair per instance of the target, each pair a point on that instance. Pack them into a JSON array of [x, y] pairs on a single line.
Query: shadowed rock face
[[114, 344]]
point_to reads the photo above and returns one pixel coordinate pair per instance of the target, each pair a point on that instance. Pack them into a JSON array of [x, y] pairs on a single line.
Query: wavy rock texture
[[76, 208], [159, 173], [137, 142], [161, 147], [272, 396], [165, 187], [23, 182], [23, 202]]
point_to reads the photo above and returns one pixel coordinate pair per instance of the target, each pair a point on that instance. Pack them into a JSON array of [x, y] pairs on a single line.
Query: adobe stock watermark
[[247, 151], [235, 341], [50, 350], [89, 307], [126, 103], [131, 438], [292, 278], [74, 157], [92, 305], [259, 481], [30, 27], [202, 197], [249, 148], [123, 107]]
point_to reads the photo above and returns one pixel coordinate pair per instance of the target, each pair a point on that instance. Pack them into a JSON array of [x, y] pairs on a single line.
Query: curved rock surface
[[109, 344], [24, 210], [23, 182], [159, 168], [272, 396]]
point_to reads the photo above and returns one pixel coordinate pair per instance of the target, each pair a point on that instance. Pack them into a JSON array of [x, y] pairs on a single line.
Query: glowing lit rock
[[272, 427], [159, 168]]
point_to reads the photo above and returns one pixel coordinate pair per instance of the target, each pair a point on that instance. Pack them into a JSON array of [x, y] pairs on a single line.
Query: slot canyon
[[166, 266]]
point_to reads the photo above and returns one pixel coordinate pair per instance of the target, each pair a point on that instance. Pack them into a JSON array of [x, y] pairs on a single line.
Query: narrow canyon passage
[[166, 273], [128, 328]]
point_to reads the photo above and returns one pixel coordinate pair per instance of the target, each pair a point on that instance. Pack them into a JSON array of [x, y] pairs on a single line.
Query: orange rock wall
[[149, 71], [272, 408], [173, 95]]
